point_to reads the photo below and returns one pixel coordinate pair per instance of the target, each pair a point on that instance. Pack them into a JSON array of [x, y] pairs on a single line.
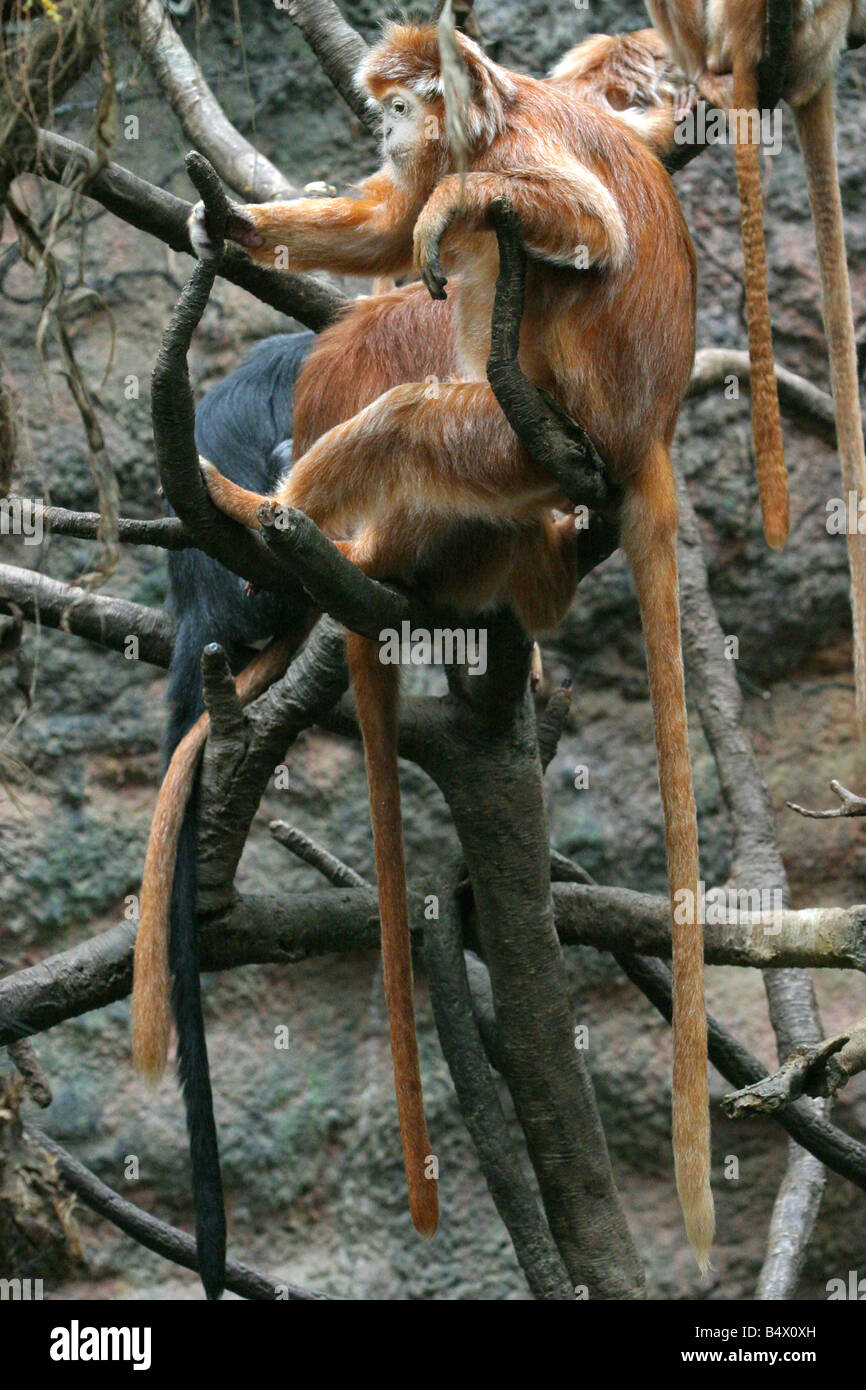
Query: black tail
[[240, 426], [193, 1070]]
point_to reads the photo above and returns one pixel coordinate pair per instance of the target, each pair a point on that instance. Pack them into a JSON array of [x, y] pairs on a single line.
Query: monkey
[[719, 46], [404, 337], [241, 422], [631, 76], [613, 344]]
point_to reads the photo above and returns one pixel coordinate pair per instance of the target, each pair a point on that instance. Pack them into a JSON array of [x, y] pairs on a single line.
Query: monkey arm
[[566, 213], [367, 235]]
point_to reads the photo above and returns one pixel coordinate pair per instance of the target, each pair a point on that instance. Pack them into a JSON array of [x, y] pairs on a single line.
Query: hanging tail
[[649, 526], [766, 421], [167, 966], [376, 692], [816, 130]]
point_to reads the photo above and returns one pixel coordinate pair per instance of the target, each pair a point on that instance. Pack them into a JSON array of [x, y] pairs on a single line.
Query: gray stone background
[[309, 1143]]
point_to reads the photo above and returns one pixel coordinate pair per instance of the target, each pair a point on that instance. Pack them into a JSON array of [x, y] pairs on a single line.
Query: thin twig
[[314, 854]]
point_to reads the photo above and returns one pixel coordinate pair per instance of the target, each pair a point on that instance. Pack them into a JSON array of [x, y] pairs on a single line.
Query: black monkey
[[244, 426]]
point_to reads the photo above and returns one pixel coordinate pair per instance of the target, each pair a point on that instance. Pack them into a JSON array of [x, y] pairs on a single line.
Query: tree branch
[[826, 1142], [110, 622], [799, 398], [339, 49], [155, 1235], [167, 532], [201, 117], [165, 216], [480, 1106]]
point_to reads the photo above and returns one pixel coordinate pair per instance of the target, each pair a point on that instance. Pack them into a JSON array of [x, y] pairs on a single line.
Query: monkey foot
[[240, 228], [685, 102], [717, 89], [236, 502]]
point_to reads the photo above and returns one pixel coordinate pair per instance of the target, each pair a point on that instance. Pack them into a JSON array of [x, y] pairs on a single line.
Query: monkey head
[[403, 75]]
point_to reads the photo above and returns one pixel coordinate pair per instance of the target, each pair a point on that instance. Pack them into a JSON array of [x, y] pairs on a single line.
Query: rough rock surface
[[310, 1150]]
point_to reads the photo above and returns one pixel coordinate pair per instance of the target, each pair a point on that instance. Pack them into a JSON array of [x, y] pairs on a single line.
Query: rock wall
[[311, 1156]]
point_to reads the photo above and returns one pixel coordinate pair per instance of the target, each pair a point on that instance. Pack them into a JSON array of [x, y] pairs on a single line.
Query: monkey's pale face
[[403, 125]]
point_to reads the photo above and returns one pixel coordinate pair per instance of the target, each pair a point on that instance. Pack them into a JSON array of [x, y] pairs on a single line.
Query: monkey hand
[[429, 231], [240, 227]]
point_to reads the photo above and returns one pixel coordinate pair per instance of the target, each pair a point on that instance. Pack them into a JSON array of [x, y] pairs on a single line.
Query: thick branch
[[173, 413], [516, 1201], [333, 582], [339, 49], [262, 929], [110, 622]]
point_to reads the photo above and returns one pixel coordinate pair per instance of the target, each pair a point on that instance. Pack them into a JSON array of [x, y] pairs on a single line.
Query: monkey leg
[[446, 448], [236, 502], [544, 572]]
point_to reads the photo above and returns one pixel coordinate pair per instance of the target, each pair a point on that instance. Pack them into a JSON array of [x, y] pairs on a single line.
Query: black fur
[[240, 426]]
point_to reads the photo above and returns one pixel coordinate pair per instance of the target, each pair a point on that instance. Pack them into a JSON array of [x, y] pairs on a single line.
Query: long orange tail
[[376, 692], [766, 421], [649, 525], [151, 988], [816, 129]]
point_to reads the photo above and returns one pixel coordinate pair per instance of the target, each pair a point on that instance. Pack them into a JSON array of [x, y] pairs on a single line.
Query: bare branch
[[110, 622], [167, 532], [164, 216], [552, 723], [260, 929], [201, 116], [852, 805], [516, 1201], [825, 1141], [333, 582], [173, 412], [314, 854], [821, 1069], [23, 1055], [155, 1235], [799, 398], [339, 49]]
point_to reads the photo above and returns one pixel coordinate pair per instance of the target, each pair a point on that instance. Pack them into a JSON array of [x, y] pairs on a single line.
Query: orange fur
[[722, 36], [766, 418], [151, 989], [399, 482]]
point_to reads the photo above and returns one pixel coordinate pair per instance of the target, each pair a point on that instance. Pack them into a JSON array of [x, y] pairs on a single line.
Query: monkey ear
[[491, 92]]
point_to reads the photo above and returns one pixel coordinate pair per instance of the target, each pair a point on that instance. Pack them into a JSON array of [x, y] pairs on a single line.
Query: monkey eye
[[398, 106], [618, 98]]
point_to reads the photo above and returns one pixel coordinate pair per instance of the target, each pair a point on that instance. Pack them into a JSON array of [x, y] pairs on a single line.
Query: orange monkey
[[379, 343], [608, 329], [727, 36]]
